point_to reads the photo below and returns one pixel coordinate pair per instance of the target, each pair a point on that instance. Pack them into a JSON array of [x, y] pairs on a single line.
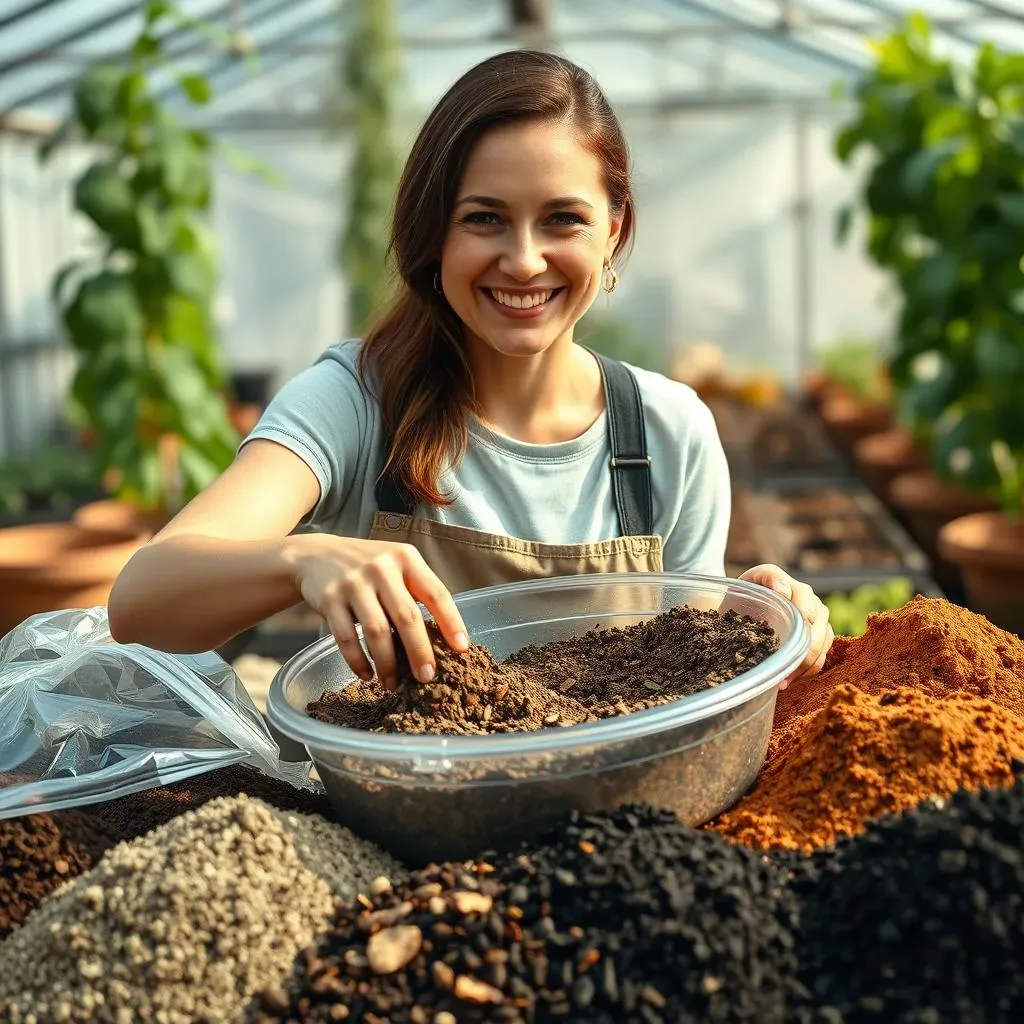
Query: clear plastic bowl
[[430, 797]]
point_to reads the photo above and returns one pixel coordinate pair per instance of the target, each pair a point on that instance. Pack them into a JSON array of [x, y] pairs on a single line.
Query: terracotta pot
[[119, 516], [50, 566], [849, 419], [880, 458], [818, 389], [927, 504], [989, 550]]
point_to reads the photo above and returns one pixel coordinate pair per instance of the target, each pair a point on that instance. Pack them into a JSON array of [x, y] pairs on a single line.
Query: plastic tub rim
[[390, 747]]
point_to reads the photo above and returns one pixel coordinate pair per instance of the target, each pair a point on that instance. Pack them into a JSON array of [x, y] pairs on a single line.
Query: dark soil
[[138, 813], [566, 682], [624, 918], [918, 921], [40, 852]]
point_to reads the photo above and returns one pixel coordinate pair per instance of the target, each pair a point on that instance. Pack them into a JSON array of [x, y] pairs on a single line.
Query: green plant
[[53, 477], [946, 219], [858, 365], [149, 384], [848, 613], [371, 76]]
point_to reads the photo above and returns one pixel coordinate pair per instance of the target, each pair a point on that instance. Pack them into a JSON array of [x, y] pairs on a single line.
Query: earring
[[611, 279], [437, 282]]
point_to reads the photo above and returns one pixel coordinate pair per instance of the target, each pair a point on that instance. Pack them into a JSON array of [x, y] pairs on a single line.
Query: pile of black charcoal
[[630, 917]]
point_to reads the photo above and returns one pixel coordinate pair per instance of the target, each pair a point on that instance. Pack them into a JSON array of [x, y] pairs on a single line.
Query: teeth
[[521, 301]]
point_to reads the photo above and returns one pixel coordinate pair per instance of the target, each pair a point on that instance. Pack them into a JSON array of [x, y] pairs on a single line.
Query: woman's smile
[[522, 304]]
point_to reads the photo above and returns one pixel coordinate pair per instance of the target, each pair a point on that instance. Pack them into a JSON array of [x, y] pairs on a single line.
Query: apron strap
[[630, 465], [630, 462]]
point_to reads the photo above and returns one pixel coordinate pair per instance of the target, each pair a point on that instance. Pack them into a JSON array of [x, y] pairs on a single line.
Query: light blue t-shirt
[[554, 493]]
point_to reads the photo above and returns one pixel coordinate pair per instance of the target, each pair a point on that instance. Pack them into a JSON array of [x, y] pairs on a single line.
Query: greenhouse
[[510, 511]]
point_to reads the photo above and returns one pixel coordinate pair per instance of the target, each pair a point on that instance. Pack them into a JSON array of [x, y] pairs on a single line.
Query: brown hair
[[414, 351]]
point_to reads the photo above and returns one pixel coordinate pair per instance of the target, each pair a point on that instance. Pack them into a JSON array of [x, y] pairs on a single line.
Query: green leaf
[[999, 355], [156, 10], [936, 276], [185, 166], [1011, 206], [181, 379], [105, 310], [920, 170], [156, 227], [191, 274], [196, 87], [246, 163], [107, 199], [199, 471], [95, 97], [61, 279]]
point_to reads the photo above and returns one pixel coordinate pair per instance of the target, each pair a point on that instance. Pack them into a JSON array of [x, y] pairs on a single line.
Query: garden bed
[[820, 530]]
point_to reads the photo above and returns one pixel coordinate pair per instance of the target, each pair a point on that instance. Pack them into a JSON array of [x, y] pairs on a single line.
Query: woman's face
[[530, 232]]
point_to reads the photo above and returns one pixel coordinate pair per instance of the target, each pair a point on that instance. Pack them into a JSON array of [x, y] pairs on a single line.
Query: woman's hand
[[808, 604], [376, 584]]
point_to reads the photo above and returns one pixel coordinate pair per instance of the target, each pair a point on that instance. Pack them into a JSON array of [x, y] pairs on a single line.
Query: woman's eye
[[566, 219], [481, 217]]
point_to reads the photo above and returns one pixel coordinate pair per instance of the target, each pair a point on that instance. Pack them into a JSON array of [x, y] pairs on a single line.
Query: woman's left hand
[[808, 604]]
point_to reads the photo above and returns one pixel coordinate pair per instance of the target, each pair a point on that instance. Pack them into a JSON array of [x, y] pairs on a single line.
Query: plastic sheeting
[[85, 719]]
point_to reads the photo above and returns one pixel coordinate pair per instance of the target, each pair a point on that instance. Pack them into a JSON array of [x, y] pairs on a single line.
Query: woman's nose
[[524, 259]]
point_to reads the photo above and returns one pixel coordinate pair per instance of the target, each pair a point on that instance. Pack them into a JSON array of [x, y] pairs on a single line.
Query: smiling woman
[[467, 439]]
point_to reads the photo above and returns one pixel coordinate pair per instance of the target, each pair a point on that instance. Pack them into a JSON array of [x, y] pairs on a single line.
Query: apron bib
[[466, 559]]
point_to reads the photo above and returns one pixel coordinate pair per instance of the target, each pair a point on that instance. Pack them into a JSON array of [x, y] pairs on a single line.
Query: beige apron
[[466, 559]]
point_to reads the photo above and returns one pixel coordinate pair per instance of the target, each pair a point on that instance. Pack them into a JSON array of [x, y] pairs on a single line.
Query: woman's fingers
[[816, 614], [405, 615], [366, 606], [425, 586], [343, 627]]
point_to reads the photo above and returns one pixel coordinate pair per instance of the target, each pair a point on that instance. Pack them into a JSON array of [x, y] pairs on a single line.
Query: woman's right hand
[[376, 584]]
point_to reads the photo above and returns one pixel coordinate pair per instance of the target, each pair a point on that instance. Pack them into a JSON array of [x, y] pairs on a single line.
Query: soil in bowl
[[602, 674]]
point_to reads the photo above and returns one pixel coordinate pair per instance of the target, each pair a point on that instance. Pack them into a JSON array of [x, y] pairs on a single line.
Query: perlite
[[184, 923]]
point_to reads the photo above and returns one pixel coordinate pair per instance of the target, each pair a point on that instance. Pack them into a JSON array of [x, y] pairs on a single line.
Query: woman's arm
[[225, 562]]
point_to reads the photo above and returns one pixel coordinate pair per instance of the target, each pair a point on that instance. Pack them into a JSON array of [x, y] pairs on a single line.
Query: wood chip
[[472, 902], [391, 949], [473, 991]]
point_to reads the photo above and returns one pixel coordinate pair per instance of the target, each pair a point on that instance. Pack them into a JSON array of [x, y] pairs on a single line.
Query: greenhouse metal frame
[[657, 59]]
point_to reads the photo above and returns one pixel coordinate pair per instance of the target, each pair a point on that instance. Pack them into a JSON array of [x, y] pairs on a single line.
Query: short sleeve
[[325, 416]]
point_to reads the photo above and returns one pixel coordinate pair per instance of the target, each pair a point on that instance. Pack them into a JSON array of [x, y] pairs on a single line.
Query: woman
[[468, 439]]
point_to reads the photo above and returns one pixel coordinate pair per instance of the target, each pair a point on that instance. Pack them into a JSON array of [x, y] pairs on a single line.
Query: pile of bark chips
[[615, 918]]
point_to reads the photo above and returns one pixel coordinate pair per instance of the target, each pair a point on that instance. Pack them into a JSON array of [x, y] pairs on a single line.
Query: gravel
[[625, 917], [919, 920], [181, 925]]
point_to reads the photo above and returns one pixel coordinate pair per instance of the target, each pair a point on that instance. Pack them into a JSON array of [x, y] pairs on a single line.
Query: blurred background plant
[[946, 218], [370, 84], [149, 388]]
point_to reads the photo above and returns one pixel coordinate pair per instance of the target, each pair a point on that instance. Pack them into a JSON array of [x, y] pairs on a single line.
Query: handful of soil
[[602, 674]]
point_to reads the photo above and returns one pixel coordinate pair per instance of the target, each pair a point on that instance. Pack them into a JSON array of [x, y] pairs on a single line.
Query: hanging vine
[[371, 78]]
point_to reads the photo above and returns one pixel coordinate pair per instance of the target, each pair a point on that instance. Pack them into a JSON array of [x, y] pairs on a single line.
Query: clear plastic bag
[[85, 719]]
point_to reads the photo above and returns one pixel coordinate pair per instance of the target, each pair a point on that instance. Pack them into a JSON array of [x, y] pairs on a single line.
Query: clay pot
[[880, 458], [49, 566], [818, 389], [848, 419], [119, 516], [927, 504], [988, 548]]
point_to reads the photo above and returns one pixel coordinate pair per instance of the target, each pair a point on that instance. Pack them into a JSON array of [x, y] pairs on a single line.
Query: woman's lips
[[517, 313]]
